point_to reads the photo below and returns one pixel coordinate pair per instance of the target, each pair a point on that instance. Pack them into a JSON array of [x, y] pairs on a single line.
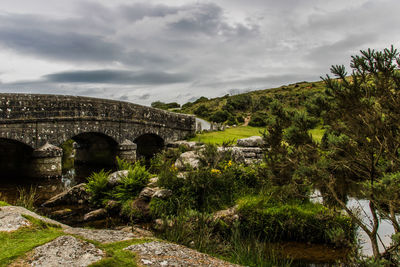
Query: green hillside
[[253, 105]]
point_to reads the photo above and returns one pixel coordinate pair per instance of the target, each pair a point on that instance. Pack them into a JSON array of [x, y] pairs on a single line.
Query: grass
[[16, 244], [231, 134], [317, 133], [116, 255], [2, 203]]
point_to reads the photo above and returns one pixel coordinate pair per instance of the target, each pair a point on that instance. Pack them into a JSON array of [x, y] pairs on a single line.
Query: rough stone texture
[[253, 141], [11, 221], [36, 119], [246, 155], [148, 192], [95, 215], [187, 144], [163, 193], [76, 195], [66, 251], [23, 211], [101, 235], [115, 177], [127, 151], [158, 253], [153, 182], [229, 216], [188, 158]]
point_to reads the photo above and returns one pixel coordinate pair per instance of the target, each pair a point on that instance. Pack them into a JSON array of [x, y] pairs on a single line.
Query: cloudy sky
[[143, 51]]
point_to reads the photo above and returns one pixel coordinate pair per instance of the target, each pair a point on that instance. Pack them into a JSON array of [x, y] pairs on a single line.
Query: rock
[[236, 152], [23, 211], [148, 192], [112, 206], [115, 177], [157, 253], [138, 232], [95, 215], [163, 193], [253, 141], [187, 144], [101, 235], [11, 221], [73, 196], [141, 208], [153, 182], [61, 213], [229, 216], [66, 251], [189, 158]]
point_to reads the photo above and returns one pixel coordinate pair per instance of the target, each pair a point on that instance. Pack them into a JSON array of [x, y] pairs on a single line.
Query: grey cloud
[[116, 77], [144, 97], [140, 11], [66, 46]]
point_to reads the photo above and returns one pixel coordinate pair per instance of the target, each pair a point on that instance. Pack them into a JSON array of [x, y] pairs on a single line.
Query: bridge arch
[[15, 158], [148, 145]]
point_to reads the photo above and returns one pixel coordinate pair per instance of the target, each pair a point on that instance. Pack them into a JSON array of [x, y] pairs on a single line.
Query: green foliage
[[166, 106], [202, 111], [303, 222], [130, 186], [27, 198], [17, 243], [240, 102], [116, 255], [67, 158], [3, 203], [123, 164], [220, 116], [259, 119], [363, 137], [230, 134], [97, 186]]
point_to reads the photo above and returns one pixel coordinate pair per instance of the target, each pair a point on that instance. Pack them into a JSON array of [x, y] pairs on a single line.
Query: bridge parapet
[[35, 120]]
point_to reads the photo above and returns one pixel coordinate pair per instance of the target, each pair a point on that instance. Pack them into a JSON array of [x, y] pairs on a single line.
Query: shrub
[[240, 102], [131, 185], [258, 119], [97, 186], [292, 221], [220, 116], [202, 111]]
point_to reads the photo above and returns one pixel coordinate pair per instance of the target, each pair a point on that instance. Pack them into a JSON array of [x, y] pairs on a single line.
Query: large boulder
[[186, 144], [65, 251], [76, 195], [95, 215], [189, 158], [253, 141], [115, 177]]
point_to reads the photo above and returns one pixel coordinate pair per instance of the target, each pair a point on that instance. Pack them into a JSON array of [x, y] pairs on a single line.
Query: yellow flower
[[215, 171]]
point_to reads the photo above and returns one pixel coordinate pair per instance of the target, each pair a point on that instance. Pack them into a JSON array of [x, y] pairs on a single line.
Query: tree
[[363, 141]]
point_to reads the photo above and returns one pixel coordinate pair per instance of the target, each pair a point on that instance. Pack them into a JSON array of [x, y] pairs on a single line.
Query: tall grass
[[200, 231], [27, 198]]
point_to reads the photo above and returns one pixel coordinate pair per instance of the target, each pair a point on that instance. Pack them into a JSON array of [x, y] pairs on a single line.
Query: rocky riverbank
[[82, 247]]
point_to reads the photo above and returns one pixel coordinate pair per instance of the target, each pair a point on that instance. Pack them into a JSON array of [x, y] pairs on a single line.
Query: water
[[361, 207]]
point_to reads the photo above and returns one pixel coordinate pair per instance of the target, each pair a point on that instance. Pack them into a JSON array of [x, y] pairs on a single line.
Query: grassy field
[[231, 134]]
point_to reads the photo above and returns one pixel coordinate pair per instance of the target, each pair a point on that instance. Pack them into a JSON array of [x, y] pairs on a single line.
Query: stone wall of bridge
[[36, 120]]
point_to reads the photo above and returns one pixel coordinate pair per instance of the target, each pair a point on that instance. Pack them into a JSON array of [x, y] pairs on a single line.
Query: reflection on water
[[361, 207]]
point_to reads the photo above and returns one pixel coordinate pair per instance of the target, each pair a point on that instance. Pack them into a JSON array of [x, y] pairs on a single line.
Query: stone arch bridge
[[33, 127]]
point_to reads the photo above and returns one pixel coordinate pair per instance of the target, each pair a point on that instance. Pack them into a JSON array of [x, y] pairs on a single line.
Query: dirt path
[[247, 120]]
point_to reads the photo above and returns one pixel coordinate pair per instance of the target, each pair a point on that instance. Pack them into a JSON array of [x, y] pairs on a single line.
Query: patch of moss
[[116, 255], [2, 204]]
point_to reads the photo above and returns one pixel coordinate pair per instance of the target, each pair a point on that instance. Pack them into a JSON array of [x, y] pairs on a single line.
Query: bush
[[131, 185], [202, 111], [292, 221], [258, 119], [220, 116], [97, 186], [240, 102]]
